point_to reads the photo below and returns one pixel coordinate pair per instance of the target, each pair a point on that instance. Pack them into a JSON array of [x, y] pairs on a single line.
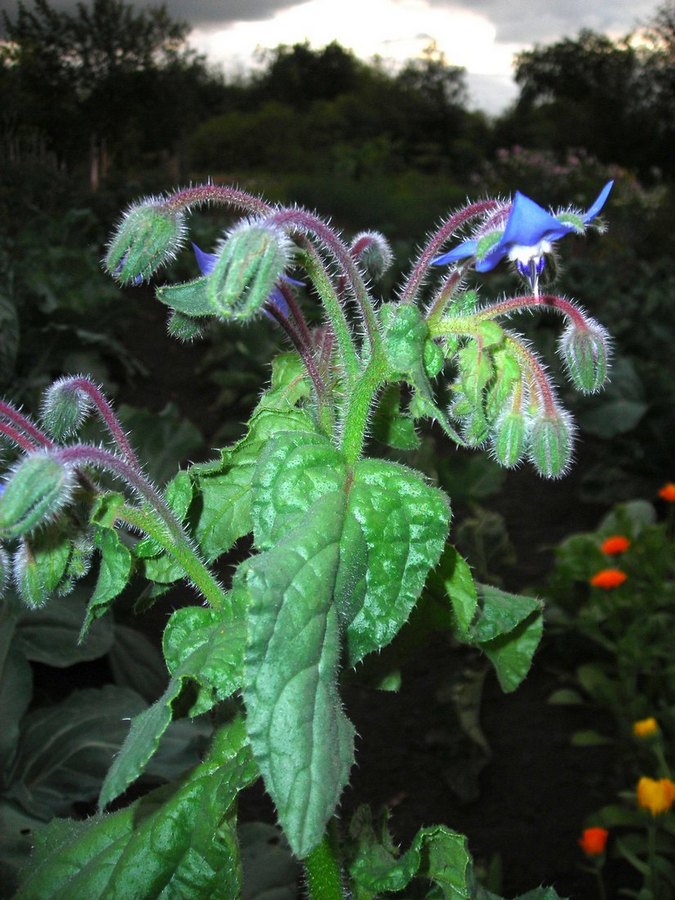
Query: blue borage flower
[[527, 237], [207, 261]]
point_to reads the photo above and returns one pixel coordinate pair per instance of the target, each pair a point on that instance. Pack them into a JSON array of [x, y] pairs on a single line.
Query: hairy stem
[[218, 194], [359, 403], [38, 437], [322, 871], [105, 413], [435, 243]]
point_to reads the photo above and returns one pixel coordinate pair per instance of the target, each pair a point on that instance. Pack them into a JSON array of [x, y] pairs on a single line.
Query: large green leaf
[[169, 845], [65, 749], [200, 645], [301, 738], [136, 663], [225, 486], [113, 575], [394, 531], [16, 680]]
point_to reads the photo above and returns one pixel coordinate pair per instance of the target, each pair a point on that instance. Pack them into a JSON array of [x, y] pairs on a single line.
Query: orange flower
[[593, 841], [617, 543], [656, 796], [645, 728], [667, 492], [607, 579]]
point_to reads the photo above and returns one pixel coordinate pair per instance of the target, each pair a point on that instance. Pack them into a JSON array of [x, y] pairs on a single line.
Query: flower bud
[[585, 351], [249, 263], [148, 235], [509, 439], [551, 441], [372, 250], [64, 408], [38, 488]]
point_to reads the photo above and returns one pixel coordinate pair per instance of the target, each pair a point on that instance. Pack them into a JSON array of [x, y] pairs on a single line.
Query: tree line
[[117, 89]]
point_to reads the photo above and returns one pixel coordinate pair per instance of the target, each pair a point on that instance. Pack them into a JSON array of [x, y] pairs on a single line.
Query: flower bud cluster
[[148, 236]]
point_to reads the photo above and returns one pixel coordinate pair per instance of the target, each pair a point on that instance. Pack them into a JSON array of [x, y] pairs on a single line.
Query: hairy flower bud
[[64, 408], [147, 236], [249, 263], [372, 250], [551, 442], [38, 488], [585, 351], [509, 439]]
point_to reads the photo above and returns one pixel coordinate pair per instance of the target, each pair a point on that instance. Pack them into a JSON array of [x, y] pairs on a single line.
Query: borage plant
[[343, 543]]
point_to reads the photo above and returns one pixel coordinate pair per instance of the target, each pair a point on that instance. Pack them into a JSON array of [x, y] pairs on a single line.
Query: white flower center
[[522, 254]]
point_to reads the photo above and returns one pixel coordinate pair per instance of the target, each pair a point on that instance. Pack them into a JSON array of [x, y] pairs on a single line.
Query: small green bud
[[250, 262], [551, 442], [64, 408], [148, 235], [509, 439], [585, 351], [372, 250], [39, 487]]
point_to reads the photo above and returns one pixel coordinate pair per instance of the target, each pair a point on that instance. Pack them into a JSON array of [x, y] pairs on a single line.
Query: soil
[[523, 797]]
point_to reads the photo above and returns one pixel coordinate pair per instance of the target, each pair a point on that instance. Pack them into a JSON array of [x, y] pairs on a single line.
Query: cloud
[[206, 14], [527, 21]]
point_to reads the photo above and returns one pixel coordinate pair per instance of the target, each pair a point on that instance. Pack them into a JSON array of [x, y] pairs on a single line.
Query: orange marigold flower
[[593, 841], [608, 579], [656, 796], [644, 728], [667, 492], [617, 543]]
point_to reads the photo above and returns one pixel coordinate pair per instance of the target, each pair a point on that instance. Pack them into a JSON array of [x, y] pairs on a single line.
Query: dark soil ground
[[523, 798]]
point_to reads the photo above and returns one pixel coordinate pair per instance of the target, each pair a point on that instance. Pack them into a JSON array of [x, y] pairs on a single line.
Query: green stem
[[324, 287], [359, 403], [601, 883], [179, 546], [323, 874]]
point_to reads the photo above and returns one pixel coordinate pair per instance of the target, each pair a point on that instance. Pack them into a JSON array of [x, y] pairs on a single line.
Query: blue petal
[[529, 223], [491, 259], [289, 280], [205, 261], [599, 202], [277, 299], [463, 251]]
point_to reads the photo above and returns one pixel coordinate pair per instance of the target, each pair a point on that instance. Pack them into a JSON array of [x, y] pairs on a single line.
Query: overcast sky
[[481, 35]]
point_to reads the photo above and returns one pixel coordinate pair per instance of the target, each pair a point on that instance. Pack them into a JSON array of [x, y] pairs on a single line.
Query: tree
[[89, 78]]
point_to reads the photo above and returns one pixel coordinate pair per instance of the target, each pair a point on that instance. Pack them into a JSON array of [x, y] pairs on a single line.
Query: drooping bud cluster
[[148, 236], [64, 409], [372, 250]]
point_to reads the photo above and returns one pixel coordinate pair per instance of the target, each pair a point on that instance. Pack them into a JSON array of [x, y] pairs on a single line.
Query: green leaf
[[225, 486], [50, 634], [16, 688], [394, 532], [180, 844], [200, 645], [392, 427], [290, 690], [294, 470], [436, 853], [508, 631], [65, 749], [188, 298], [454, 574], [589, 738], [289, 384], [113, 574], [178, 495]]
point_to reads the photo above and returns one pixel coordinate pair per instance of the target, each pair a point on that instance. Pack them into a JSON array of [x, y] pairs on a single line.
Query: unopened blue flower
[[207, 262], [527, 237]]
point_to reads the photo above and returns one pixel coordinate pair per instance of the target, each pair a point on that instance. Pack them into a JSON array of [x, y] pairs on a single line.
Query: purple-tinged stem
[[537, 373], [441, 299], [18, 437], [435, 243], [7, 411], [303, 349], [296, 312], [219, 194], [528, 301], [307, 222], [106, 414]]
